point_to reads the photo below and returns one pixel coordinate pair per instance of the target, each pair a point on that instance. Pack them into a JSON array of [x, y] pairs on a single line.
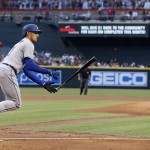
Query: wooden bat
[[89, 62]]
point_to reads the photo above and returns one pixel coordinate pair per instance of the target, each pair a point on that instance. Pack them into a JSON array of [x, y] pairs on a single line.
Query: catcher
[[21, 57]]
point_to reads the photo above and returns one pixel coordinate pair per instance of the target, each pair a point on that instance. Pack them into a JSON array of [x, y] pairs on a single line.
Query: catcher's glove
[[49, 87]]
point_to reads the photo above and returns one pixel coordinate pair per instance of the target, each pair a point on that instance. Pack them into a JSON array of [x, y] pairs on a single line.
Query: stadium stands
[[47, 14], [70, 4]]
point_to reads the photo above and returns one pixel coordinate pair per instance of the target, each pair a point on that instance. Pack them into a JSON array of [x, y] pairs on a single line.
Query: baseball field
[[105, 119]]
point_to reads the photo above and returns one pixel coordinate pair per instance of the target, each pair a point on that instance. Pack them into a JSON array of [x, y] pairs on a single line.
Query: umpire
[[84, 77]]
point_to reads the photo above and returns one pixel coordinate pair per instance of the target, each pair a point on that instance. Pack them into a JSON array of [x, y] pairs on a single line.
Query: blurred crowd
[[72, 4], [46, 58]]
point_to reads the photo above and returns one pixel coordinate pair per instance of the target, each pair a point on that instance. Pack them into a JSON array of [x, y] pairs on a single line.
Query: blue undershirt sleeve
[[33, 77], [31, 67]]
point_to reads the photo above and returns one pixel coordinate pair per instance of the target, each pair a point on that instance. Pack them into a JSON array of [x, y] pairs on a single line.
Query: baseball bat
[[78, 71]]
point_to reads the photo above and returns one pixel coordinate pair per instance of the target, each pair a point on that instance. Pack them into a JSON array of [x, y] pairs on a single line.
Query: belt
[[11, 67]]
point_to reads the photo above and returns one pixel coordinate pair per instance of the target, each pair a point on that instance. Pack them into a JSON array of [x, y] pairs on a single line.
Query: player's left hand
[[54, 74], [48, 86]]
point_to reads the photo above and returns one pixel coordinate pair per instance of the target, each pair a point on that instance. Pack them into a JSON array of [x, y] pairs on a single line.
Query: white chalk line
[[115, 139]]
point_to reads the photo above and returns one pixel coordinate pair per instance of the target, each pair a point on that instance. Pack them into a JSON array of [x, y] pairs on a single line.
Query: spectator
[[134, 15], [111, 14], [62, 63], [39, 17], [40, 4], [144, 15], [85, 5], [1, 44]]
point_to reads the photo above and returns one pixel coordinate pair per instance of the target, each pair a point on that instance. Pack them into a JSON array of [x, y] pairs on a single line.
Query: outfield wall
[[100, 78]]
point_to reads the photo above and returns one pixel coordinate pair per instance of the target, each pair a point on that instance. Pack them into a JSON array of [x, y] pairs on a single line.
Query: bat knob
[[57, 89]]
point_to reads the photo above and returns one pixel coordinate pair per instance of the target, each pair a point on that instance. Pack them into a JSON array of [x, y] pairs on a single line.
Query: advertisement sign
[[24, 80], [119, 79], [103, 30]]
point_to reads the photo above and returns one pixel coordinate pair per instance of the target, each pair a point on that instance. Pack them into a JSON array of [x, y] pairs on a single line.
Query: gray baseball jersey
[[22, 49], [11, 65]]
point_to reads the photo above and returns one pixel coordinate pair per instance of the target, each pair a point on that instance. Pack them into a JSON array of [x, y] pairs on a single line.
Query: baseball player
[[21, 57]]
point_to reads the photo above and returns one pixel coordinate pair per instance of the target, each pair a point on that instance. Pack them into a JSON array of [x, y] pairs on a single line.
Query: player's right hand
[[54, 74], [48, 86]]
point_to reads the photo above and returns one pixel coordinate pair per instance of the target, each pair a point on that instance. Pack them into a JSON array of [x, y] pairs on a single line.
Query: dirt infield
[[14, 139], [74, 145]]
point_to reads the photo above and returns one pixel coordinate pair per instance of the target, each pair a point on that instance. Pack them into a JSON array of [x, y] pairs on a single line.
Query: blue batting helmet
[[30, 28]]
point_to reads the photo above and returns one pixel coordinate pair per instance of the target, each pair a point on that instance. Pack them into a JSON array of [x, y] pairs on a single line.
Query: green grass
[[44, 111], [34, 111], [135, 127], [91, 92]]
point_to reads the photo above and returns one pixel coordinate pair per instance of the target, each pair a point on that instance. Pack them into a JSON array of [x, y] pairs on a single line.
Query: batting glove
[[54, 74], [48, 86]]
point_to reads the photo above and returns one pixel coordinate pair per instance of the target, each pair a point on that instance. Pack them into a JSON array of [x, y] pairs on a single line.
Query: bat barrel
[[78, 71]]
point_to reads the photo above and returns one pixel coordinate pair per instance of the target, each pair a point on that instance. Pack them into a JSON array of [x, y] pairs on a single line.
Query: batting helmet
[[30, 28]]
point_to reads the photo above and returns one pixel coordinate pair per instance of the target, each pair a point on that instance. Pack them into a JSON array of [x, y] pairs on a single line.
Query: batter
[[21, 57]]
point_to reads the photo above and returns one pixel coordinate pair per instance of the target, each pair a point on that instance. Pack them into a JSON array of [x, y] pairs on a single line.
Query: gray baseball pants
[[10, 98]]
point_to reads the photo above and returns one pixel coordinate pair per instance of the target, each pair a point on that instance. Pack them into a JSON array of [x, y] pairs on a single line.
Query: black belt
[[11, 67]]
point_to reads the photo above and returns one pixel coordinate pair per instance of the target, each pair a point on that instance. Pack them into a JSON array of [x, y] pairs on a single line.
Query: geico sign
[[112, 78]]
